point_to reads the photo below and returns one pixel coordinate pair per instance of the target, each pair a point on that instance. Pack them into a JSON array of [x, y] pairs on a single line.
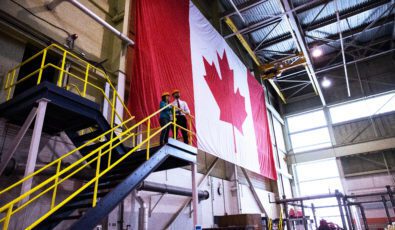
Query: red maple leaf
[[231, 104]]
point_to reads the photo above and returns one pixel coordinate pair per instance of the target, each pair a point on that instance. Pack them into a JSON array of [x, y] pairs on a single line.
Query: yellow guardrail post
[[6, 80], [96, 180], [41, 67], [189, 130], [60, 80], [148, 137], [110, 152], [113, 107], [174, 123], [8, 218], [86, 79], [56, 185], [10, 89], [112, 125]]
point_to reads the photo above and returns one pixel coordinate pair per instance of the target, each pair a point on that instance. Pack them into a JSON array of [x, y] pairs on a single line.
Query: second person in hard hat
[[181, 113]]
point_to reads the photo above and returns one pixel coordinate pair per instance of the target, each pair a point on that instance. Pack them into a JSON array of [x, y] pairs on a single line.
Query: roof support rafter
[[297, 34], [368, 5], [270, 20]]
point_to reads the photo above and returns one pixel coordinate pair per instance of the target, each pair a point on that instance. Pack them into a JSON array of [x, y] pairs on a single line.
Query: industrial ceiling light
[[317, 52], [326, 82]]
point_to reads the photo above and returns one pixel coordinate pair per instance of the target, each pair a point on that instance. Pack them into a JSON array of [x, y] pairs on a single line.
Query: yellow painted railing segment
[[61, 175], [86, 80]]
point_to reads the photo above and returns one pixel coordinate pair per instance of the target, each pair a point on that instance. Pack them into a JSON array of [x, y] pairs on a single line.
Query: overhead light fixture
[[326, 82], [317, 52]]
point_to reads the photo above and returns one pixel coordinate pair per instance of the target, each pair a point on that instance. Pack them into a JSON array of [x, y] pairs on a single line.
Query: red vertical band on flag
[[261, 127], [162, 57]]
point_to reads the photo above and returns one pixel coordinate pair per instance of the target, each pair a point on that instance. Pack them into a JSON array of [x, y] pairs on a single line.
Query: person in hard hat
[[165, 117], [181, 113]]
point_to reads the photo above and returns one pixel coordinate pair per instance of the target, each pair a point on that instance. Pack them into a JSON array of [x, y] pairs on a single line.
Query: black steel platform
[[63, 110]]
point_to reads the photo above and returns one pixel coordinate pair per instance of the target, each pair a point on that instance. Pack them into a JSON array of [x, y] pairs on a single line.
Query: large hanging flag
[[178, 48]]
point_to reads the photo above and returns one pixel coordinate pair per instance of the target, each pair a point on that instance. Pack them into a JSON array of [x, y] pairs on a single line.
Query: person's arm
[[186, 108]]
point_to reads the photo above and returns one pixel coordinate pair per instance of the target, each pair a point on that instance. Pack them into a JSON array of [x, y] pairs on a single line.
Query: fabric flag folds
[[178, 48]]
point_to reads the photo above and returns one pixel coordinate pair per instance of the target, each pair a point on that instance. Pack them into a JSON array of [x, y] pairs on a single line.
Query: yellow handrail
[[61, 175], [86, 80]]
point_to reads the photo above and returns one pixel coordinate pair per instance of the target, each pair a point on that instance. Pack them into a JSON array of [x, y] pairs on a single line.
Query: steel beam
[[343, 150], [339, 31], [237, 11], [346, 34], [273, 18], [252, 54], [253, 191], [277, 89], [370, 25], [355, 61], [302, 47], [357, 9], [6, 156], [243, 7], [242, 40]]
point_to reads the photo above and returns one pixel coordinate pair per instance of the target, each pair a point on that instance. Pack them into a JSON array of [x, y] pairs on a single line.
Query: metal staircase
[[115, 152]]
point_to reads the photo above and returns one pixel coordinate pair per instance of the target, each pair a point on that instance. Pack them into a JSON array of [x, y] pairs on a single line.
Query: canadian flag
[[178, 48]]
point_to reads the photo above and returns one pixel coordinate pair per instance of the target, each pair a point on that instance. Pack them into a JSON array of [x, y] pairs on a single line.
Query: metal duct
[[52, 5], [163, 188], [143, 214]]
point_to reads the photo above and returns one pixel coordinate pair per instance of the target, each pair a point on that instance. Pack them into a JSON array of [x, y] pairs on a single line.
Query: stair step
[[74, 206], [87, 136], [108, 184], [59, 219], [86, 150], [117, 176], [89, 195]]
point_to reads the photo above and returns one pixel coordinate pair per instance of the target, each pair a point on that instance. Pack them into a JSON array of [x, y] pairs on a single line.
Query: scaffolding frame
[[344, 203]]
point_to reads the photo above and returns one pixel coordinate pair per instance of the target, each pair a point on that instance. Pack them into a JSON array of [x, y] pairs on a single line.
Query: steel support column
[[391, 196], [314, 215], [304, 216], [387, 213], [365, 222], [194, 194], [285, 205], [34, 144], [347, 213], [325, 69], [339, 203], [185, 204]]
